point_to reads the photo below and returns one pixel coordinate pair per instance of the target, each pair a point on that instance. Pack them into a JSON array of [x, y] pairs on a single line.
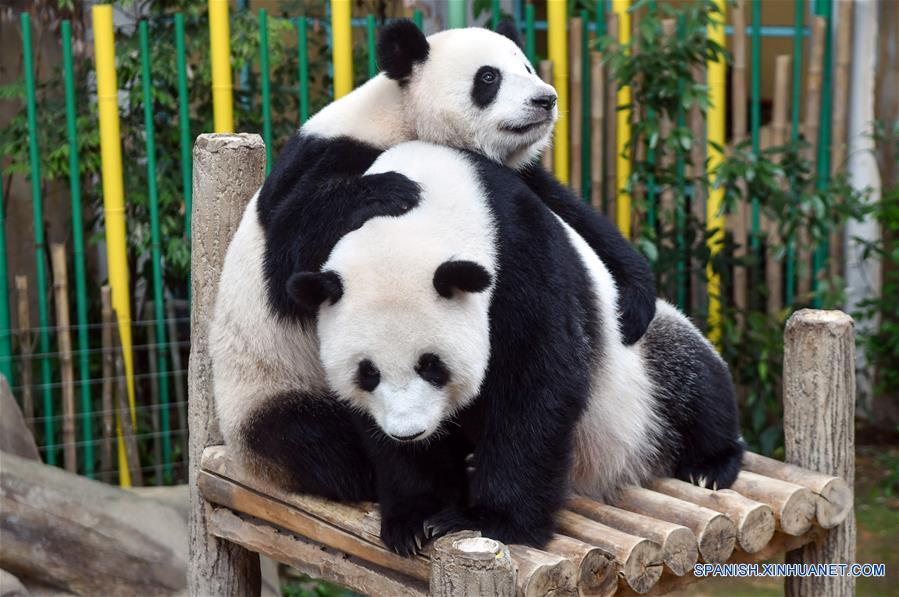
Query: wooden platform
[[647, 543]]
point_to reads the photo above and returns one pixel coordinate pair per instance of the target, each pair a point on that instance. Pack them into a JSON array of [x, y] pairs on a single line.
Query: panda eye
[[432, 369], [488, 77], [367, 375]]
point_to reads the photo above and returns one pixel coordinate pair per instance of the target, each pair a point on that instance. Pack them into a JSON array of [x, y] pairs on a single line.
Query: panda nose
[[407, 438], [546, 101]]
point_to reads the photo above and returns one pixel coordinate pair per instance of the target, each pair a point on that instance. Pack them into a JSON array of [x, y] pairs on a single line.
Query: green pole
[[680, 175], [819, 258], [156, 253], [651, 158], [530, 34], [40, 249], [798, 30], [418, 19], [456, 14], [303, 52], [78, 245], [585, 103], [495, 14], [184, 122], [264, 75], [600, 18], [756, 105], [5, 328], [372, 51]]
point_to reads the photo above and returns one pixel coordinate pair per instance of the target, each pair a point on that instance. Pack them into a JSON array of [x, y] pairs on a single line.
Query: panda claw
[[470, 458]]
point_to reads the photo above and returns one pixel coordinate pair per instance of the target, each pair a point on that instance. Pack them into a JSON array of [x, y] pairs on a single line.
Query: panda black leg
[[309, 444]]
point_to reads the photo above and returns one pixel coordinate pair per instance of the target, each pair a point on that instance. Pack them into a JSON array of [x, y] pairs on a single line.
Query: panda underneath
[[468, 88], [480, 322]]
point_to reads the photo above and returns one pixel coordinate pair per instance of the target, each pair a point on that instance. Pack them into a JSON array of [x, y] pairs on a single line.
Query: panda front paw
[[404, 534], [385, 194], [449, 520]]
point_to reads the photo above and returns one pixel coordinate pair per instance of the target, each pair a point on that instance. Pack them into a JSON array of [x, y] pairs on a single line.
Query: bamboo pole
[[371, 43], [779, 130], [342, 48], [530, 34], [611, 153], [113, 197], [586, 106], [739, 220], [64, 342], [546, 73], [824, 9], [40, 248], [575, 39], [456, 14], [716, 81], [128, 437], [798, 36], [26, 347], [840, 118], [264, 77], [698, 288], [220, 57], [556, 11], [597, 119], [108, 376], [623, 129], [81, 297], [6, 356], [303, 66], [156, 256], [418, 19]]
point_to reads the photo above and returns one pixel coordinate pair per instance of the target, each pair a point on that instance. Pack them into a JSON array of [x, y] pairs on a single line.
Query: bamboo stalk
[[546, 73], [597, 119], [26, 348], [575, 40], [739, 220], [64, 341], [106, 461], [128, 435]]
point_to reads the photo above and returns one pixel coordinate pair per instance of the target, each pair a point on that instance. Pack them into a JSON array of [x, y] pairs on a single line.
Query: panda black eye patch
[[432, 369], [367, 375], [486, 85]]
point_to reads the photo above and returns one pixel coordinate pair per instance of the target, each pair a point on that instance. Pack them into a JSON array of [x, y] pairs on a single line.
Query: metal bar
[[184, 122], [651, 158], [756, 106], [370, 35], [600, 26], [303, 55], [418, 19], [342, 49], [40, 248], [585, 107], [823, 8], [78, 248], [623, 130], [558, 55], [495, 14], [156, 251], [266, 92], [220, 57], [6, 366], [680, 208], [798, 34], [530, 37], [717, 83], [456, 14]]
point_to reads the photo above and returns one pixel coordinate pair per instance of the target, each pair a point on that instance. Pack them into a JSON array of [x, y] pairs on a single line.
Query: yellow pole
[[557, 20], [113, 200], [341, 47], [220, 51], [623, 128], [714, 218]]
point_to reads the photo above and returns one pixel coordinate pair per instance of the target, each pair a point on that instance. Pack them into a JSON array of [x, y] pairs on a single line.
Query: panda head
[[406, 348], [471, 89]]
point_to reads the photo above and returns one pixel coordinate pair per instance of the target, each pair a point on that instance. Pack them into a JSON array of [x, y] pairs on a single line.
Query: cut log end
[[717, 540], [834, 503], [756, 529], [643, 568], [680, 551], [798, 512]]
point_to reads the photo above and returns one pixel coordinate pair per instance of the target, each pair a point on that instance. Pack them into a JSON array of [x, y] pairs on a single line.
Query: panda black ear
[[400, 46], [507, 28], [310, 289], [466, 276]]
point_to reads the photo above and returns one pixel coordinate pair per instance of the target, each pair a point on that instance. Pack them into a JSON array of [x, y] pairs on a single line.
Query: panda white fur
[[480, 321], [470, 88]]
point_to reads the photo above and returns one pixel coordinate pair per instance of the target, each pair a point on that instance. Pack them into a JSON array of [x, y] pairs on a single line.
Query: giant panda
[[480, 322], [469, 88]]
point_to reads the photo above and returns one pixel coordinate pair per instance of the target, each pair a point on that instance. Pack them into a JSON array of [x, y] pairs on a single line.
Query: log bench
[[647, 542]]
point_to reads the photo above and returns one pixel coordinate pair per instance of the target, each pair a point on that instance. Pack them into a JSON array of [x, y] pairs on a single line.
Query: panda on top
[[468, 88], [481, 323]]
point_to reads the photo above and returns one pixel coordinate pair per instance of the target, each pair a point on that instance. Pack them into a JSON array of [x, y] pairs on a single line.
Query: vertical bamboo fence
[[75, 388]]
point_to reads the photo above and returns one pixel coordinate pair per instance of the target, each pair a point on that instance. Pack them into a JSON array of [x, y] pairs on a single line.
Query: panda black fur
[[273, 403], [482, 277]]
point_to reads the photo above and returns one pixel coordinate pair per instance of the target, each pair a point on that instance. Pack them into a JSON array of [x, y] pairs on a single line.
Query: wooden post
[[597, 118], [26, 348], [64, 336], [611, 152], [546, 73], [228, 169], [575, 40], [819, 430], [473, 566], [108, 379]]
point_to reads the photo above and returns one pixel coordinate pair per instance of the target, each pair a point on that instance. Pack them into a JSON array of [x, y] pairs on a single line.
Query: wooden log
[[575, 100], [538, 573], [638, 560], [740, 220], [123, 412], [471, 566], [779, 128], [15, 437], [597, 120], [793, 506], [715, 533], [106, 462], [679, 549], [611, 152], [310, 558], [546, 73], [85, 536], [754, 521], [596, 574], [225, 492], [819, 429], [227, 170], [64, 341], [834, 497], [26, 349]]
